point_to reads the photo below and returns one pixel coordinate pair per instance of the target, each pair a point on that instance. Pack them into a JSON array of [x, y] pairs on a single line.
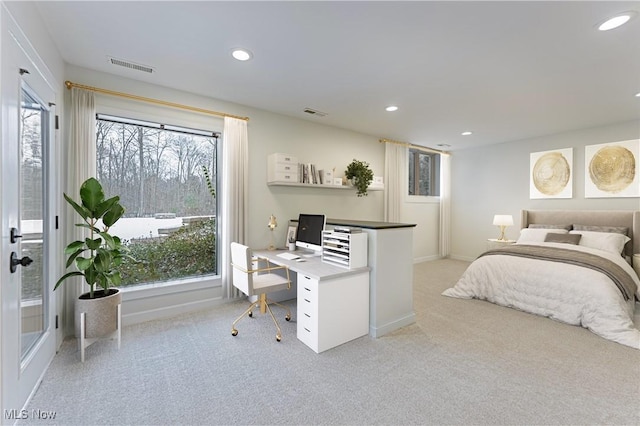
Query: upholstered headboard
[[627, 218]]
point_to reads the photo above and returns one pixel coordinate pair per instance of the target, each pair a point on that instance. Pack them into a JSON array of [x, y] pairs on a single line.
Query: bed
[[571, 266]]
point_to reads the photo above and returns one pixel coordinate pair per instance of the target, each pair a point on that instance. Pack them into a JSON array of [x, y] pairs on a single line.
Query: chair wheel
[[234, 332], [278, 337], [251, 314], [288, 317]]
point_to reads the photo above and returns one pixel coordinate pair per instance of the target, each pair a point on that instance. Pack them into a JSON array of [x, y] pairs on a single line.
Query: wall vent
[[315, 112], [131, 65]]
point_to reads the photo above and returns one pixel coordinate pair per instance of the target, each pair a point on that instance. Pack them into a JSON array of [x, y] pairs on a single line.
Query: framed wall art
[[550, 174], [612, 170]]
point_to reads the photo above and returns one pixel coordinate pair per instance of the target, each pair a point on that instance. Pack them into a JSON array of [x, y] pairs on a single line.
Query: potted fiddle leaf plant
[[97, 260], [360, 175]]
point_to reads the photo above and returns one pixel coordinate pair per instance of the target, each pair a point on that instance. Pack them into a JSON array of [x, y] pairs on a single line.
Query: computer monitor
[[309, 233]]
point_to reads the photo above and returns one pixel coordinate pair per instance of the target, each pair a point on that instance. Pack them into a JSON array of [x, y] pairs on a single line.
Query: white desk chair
[[258, 282]]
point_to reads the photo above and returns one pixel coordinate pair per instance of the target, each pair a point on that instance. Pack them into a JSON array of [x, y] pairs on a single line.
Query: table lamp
[[502, 220], [272, 225]]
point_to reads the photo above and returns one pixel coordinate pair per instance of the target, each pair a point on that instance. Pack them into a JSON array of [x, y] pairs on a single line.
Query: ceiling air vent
[[315, 112], [130, 65]]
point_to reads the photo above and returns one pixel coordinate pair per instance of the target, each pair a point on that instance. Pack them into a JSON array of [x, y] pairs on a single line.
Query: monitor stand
[[312, 254], [309, 253]]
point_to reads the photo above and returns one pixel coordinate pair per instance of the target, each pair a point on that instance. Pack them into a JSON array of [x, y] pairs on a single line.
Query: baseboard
[[170, 311], [426, 259], [392, 326], [465, 258]]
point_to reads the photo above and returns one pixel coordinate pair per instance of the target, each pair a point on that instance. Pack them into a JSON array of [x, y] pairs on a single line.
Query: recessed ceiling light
[[391, 108], [616, 21], [241, 54], [466, 133]]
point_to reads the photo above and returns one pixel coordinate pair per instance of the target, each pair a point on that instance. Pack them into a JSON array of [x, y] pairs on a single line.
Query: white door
[[28, 337]]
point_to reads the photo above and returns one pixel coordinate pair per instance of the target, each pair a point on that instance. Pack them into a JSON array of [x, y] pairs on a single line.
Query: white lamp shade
[[503, 220]]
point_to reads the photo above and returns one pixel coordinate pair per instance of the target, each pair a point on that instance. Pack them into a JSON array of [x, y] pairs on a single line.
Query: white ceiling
[[504, 70]]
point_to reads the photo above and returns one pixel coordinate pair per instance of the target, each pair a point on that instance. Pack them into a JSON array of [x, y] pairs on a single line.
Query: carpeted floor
[[463, 362]]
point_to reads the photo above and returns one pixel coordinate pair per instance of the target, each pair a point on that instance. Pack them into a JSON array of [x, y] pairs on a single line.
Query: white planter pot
[[101, 314]]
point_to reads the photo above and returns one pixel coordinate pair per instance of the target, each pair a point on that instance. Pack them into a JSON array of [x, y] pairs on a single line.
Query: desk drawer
[[307, 312]]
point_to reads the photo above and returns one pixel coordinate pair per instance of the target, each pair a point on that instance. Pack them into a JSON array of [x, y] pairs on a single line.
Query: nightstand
[[493, 243]]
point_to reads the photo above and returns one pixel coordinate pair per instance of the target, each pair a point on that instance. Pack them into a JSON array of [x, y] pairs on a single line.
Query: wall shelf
[[319, 185]]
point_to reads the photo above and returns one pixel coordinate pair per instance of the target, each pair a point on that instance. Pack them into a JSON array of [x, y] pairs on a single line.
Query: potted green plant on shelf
[[360, 175], [96, 259]]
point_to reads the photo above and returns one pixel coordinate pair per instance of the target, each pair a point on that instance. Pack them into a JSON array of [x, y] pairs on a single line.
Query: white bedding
[[567, 293]]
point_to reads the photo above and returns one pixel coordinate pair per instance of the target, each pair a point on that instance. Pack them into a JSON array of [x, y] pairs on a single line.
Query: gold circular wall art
[[612, 168], [551, 173]]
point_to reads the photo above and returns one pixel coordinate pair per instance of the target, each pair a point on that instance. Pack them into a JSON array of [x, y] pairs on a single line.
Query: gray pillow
[[543, 226], [563, 238], [594, 228]]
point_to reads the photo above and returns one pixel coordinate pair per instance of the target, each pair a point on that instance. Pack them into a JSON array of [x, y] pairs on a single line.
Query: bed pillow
[[607, 241], [544, 226], [614, 229], [535, 235], [552, 237]]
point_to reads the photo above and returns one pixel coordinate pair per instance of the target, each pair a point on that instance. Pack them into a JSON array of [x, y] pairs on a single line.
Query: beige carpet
[[463, 362]]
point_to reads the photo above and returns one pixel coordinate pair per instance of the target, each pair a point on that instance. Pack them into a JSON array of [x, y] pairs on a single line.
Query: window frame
[[186, 294], [434, 175]]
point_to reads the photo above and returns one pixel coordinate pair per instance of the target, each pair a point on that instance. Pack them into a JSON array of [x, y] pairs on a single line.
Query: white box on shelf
[[283, 177], [283, 158], [327, 177], [282, 168], [378, 180], [337, 181]]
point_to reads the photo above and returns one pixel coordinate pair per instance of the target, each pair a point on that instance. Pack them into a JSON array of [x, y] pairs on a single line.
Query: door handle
[[14, 235], [25, 261]]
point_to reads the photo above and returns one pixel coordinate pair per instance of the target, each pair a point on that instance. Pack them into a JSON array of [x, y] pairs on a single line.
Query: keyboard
[[288, 256]]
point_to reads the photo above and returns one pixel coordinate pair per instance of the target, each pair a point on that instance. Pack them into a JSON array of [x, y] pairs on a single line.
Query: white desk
[[333, 302]]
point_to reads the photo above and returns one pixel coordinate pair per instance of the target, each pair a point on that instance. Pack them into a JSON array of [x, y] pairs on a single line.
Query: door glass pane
[[33, 303]]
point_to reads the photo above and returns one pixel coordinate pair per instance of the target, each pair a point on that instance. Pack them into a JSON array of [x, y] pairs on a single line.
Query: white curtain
[[235, 185], [81, 165], [445, 205], [395, 172]]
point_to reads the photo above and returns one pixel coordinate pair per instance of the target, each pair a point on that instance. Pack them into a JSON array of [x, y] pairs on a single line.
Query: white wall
[[310, 141], [495, 180], [425, 213]]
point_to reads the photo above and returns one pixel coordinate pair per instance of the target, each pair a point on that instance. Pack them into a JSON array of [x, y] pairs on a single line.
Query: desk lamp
[[502, 220], [272, 225]]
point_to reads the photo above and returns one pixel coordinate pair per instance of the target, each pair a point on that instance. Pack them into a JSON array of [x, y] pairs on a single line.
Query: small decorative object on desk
[[361, 176], [291, 235]]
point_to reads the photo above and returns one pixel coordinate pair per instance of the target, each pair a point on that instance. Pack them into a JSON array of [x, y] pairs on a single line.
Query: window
[[424, 173], [166, 177]]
